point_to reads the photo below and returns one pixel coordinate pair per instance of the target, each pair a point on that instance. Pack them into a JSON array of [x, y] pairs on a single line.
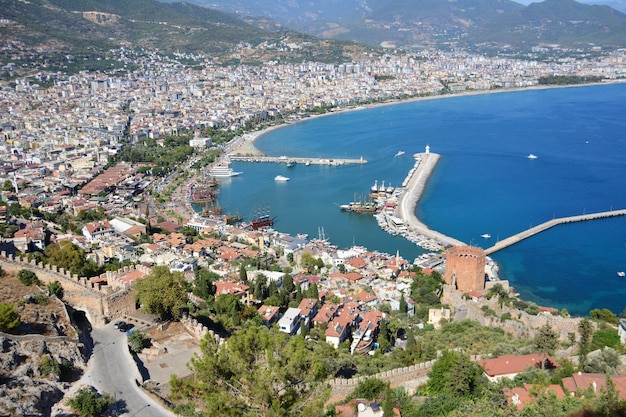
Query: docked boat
[[281, 178], [261, 222], [202, 194], [291, 163], [621, 274], [360, 205], [486, 236], [223, 171], [232, 218], [400, 153], [532, 156]]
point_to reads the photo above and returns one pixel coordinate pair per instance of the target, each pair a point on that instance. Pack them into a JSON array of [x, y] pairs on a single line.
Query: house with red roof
[[223, 287], [270, 314], [308, 310], [508, 366], [339, 329], [356, 263], [31, 237], [327, 312], [520, 396], [580, 382], [366, 298], [97, 230]]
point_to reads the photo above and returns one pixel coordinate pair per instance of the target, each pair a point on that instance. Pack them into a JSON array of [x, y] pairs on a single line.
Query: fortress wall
[[521, 324]]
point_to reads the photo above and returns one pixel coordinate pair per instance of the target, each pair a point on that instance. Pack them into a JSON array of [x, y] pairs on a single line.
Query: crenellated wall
[[521, 323], [99, 302]]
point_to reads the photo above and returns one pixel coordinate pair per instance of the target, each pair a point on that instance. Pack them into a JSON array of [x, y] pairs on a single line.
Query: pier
[[551, 223], [409, 197], [297, 160]]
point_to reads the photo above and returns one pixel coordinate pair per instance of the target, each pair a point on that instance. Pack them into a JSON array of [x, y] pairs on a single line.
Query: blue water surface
[[484, 182]]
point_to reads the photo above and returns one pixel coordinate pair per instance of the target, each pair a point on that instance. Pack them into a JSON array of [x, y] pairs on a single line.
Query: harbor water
[[484, 183]]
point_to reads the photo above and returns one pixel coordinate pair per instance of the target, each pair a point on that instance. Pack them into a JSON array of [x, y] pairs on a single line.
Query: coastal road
[[112, 370]]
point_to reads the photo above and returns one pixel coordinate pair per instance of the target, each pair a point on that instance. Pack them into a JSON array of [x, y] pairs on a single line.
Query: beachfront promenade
[[551, 223], [410, 195]]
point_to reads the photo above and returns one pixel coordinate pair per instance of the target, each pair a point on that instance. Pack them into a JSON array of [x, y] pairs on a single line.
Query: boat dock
[[304, 161], [551, 223]]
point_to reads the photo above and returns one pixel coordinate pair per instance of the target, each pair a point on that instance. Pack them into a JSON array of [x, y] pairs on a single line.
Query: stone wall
[[199, 330], [521, 323], [98, 301]]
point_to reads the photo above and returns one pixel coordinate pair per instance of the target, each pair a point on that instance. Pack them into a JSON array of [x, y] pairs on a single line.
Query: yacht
[[621, 274], [400, 153], [281, 178], [532, 156], [485, 236], [223, 171]]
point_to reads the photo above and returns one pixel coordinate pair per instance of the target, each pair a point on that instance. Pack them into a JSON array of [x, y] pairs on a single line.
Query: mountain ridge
[[464, 23]]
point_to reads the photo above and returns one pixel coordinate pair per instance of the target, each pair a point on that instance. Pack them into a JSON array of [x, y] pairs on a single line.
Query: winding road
[[111, 369]]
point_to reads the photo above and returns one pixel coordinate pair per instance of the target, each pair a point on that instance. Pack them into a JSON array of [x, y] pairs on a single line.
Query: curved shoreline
[[409, 198]]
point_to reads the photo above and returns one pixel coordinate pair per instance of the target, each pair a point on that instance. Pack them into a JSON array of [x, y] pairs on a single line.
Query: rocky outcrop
[[25, 390]]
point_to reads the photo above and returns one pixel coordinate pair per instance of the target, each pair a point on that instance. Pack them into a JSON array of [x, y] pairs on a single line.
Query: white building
[[290, 322]]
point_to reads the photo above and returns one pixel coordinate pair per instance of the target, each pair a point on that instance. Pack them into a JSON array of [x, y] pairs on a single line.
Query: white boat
[[532, 156], [281, 178], [223, 171], [621, 274], [485, 236], [400, 153]]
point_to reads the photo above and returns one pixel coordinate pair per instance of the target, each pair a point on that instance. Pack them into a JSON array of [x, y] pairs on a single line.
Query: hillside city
[[70, 175]]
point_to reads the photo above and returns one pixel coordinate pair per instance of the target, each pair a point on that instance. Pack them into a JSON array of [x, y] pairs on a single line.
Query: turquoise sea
[[484, 182]]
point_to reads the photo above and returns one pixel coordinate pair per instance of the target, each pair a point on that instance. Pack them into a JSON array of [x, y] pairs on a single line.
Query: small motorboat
[[280, 178], [485, 236]]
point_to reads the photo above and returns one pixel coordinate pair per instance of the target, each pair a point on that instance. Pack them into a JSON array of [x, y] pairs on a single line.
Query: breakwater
[[410, 195], [297, 160], [512, 240]]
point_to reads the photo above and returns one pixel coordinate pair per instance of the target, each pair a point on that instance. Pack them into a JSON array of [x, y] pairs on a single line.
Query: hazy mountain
[[95, 26], [430, 22]]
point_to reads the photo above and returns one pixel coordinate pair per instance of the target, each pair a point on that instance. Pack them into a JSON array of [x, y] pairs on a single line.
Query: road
[[112, 370]]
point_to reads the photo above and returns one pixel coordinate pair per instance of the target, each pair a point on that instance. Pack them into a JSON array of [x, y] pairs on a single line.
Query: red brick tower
[[465, 268]]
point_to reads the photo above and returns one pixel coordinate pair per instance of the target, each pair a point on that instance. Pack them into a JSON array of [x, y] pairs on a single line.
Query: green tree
[[7, 186], [88, 403], [546, 340], [9, 317], [137, 341], [605, 363], [585, 328], [605, 315], [162, 292], [204, 283], [234, 379], [288, 284], [28, 277], [369, 389], [454, 373], [403, 305], [70, 257], [55, 288]]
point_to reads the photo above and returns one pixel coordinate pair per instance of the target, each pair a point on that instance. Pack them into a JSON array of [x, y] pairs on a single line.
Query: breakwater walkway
[[410, 195], [297, 160], [551, 223]]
